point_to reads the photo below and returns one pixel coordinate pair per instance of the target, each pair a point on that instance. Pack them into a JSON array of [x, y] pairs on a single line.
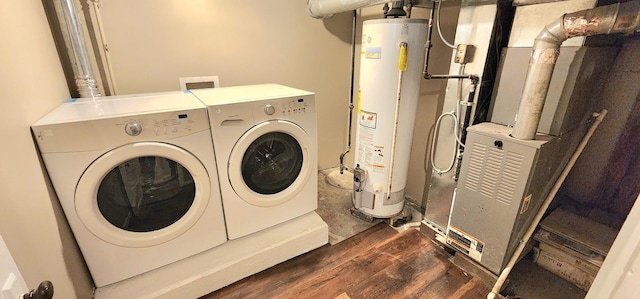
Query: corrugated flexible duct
[[615, 18], [84, 78]]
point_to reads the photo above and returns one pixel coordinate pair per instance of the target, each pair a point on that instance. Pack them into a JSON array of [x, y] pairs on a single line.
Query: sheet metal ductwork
[[84, 76], [327, 8], [615, 18]]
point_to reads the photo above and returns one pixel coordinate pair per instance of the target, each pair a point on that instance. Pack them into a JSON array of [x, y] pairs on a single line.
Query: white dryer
[[265, 139], [136, 178]]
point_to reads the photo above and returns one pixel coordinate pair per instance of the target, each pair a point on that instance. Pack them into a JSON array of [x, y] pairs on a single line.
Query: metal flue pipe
[[327, 8], [85, 82], [615, 18]]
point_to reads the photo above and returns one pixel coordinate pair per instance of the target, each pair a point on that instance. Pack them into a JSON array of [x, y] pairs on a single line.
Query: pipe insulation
[[85, 81], [327, 8], [615, 18]]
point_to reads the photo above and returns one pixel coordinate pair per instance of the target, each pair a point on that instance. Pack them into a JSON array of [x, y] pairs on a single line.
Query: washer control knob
[[269, 109], [133, 128]]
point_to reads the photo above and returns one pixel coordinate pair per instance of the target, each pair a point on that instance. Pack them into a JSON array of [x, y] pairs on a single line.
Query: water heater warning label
[[368, 119], [373, 53], [377, 158], [371, 156]]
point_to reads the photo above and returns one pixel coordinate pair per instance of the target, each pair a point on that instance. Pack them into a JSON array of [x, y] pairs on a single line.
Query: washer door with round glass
[[271, 162], [142, 194]]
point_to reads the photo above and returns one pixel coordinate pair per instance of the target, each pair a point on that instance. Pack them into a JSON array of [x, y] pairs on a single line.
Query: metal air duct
[[85, 81], [615, 18], [327, 8]]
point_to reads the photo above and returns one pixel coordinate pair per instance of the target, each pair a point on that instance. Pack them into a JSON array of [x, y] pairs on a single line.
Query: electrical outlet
[[464, 53]]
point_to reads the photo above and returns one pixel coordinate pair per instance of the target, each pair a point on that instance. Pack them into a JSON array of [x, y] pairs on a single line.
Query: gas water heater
[[392, 58]]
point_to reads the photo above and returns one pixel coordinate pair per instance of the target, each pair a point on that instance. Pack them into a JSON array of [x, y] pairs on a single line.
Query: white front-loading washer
[[136, 178], [265, 139]]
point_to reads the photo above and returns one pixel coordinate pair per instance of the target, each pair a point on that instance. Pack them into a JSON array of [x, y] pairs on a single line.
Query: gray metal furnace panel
[[440, 197], [510, 84], [495, 195], [575, 86]]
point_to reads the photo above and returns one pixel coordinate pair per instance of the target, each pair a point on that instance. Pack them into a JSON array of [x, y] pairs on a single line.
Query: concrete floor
[[334, 204]]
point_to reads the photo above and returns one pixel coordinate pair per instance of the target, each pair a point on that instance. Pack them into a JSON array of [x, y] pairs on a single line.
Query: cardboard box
[[563, 268], [575, 249]]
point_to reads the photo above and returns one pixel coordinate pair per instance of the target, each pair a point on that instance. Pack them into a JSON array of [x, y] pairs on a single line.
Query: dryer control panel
[[291, 108], [294, 106], [297, 109]]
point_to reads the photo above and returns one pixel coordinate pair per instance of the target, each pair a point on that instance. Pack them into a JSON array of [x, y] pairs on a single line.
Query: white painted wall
[[153, 42], [31, 221], [620, 93]]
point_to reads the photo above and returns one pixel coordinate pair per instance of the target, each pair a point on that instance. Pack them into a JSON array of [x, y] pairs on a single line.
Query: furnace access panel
[[503, 182]]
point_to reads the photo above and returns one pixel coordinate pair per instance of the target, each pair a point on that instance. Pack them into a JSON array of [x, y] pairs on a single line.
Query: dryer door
[[271, 162], [142, 194]]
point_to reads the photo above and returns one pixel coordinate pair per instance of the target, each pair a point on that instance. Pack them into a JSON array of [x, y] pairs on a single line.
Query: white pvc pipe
[[394, 136], [327, 8], [514, 258]]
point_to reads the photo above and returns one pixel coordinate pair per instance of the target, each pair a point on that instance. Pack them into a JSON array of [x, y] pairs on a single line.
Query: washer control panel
[[109, 132], [164, 125]]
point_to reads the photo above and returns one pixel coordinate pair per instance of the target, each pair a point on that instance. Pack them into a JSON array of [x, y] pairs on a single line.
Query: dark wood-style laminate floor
[[377, 263]]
